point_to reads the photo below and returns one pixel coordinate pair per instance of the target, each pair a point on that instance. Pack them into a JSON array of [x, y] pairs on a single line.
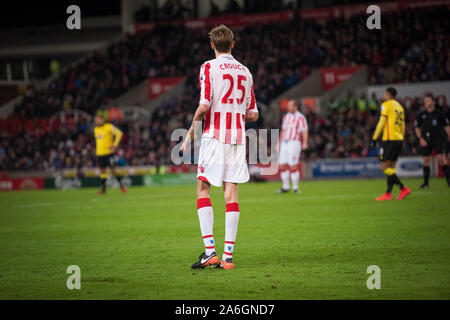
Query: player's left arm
[[446, 124], [305, 139], [403, 126], [118, 134], [447, 130], [305, 135], [252, 113]]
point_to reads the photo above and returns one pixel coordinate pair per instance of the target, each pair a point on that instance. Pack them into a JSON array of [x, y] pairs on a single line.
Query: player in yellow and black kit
[[107, 138], [392, 124]]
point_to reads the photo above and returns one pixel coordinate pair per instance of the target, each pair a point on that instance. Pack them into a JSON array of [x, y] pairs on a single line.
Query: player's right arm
[[195, 126], [379, 129], [95, 139], [251, 116], [422, 141], [380, 126], [418, 130], [206, 92]]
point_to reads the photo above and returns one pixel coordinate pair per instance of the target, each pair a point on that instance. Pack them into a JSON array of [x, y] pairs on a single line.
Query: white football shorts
[[219, 162], [290, 151]]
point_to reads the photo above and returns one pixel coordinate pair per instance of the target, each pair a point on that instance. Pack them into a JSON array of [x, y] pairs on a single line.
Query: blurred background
[[137, 62]]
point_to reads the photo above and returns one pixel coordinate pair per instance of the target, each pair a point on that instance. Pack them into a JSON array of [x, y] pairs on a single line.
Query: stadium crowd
[[171, 9], [279, 55], [48, 145], [343, 132], [184, 9]]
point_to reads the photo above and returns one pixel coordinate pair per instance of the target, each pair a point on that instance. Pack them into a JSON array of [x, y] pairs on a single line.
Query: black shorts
[[390, 150], [106, 161], [438, 145]]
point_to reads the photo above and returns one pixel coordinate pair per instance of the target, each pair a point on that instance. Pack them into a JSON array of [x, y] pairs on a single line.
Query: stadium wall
[[141, 94]]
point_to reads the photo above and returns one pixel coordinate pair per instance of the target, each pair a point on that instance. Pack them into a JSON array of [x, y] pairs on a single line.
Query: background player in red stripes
[[227, 100], [293, 138]]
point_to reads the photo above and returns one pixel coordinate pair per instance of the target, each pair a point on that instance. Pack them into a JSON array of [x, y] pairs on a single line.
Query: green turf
[[316, 245]]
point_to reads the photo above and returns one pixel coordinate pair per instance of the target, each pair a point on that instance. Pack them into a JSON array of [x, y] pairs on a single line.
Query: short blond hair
[[222, 37]]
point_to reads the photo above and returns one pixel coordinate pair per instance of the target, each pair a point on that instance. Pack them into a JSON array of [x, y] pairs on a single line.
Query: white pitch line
[[281, 197]]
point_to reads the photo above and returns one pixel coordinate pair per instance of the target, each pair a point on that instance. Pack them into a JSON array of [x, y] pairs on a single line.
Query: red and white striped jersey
[[293, 125], [226, 86]]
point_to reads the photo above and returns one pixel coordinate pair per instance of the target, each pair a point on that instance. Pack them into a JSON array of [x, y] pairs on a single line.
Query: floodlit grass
[[316, 245]]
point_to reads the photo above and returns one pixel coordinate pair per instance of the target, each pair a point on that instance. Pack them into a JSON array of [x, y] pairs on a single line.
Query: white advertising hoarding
[[409, 167]]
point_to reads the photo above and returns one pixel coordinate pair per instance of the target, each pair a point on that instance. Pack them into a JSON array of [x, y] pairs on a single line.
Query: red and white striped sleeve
[[304, 123], [251, 101], [205, 84]]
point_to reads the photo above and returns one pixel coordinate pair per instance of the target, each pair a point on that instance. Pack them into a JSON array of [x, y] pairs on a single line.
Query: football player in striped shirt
[[227, 101], [293, 138]]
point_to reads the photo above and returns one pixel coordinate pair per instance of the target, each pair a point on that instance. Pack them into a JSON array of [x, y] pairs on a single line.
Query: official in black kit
[[433, 130]]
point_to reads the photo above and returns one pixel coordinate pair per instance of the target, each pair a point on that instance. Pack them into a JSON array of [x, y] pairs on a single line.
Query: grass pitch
[[316, 245]]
